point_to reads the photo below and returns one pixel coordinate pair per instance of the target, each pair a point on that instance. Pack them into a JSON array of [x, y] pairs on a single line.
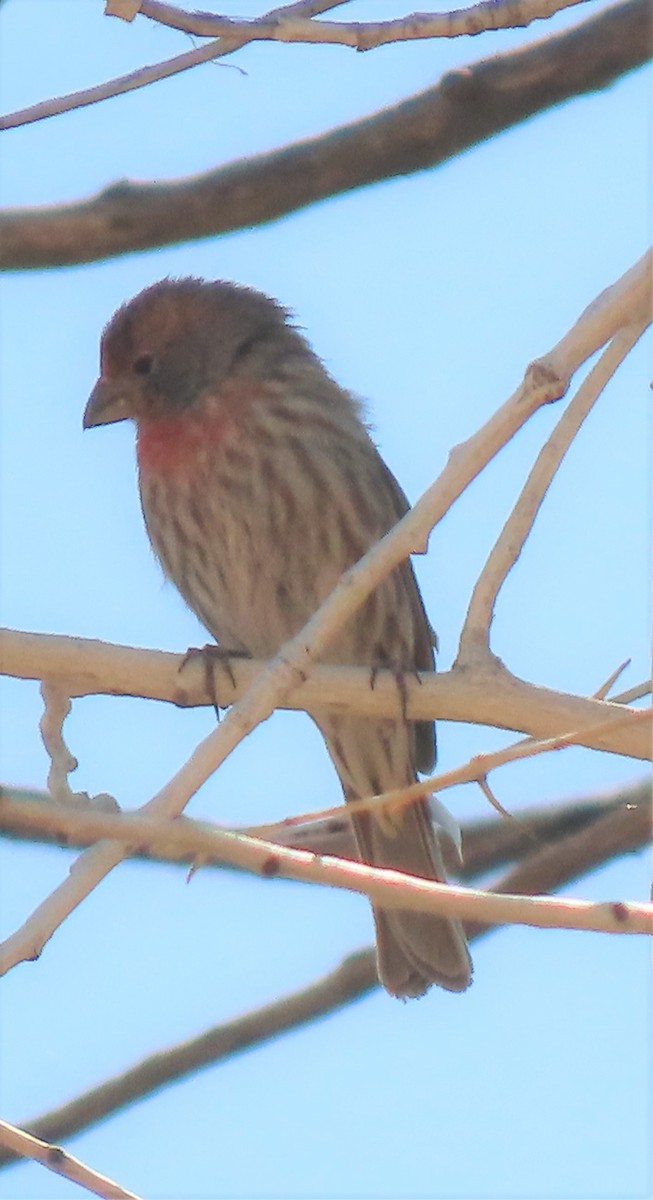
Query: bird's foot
[[400, 675], [211, 656]]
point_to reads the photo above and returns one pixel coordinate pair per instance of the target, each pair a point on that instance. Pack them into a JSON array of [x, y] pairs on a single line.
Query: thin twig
[[146, 75], [26, 1145], [492, 843], [473, 771], [634, 693], [361, 35], [608, 684]]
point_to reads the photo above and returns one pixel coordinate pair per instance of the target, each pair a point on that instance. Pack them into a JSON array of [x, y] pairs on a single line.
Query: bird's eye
[[143, 364]]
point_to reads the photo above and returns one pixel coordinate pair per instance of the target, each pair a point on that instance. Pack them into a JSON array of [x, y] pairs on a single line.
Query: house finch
[[259, 486]]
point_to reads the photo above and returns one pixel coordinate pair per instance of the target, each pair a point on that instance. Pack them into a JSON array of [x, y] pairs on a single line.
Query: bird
[[260, 485]]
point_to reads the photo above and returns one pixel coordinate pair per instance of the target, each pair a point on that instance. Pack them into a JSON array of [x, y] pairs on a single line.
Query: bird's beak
[[107, 403]]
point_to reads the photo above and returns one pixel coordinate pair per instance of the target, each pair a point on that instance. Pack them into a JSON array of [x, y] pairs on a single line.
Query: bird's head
[[179, 340]]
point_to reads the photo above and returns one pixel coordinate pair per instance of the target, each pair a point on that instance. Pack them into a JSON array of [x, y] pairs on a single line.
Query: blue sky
[[428, 296]]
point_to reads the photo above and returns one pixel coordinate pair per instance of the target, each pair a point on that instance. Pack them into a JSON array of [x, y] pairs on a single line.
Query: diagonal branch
[[558, 863], [18, 1143], [146, 75], [352, 979], [467, 106], [475, 770]]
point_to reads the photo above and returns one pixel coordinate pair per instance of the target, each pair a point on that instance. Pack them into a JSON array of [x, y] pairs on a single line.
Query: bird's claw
[[399, 674], [210, 655]]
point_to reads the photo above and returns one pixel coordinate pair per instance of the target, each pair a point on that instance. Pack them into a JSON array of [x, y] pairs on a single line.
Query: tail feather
[[414, 950]]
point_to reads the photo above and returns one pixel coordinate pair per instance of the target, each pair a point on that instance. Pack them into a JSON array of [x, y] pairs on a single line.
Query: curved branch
[[475, 635], [352, 979], [467, 106]]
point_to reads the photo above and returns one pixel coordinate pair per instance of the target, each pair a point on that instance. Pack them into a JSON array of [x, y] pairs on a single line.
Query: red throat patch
[[167, 445]]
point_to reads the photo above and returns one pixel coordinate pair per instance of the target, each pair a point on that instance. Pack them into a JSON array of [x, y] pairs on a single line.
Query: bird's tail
[[414, 950]]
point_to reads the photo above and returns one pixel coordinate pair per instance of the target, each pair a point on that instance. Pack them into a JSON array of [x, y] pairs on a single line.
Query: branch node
[[542, 378]]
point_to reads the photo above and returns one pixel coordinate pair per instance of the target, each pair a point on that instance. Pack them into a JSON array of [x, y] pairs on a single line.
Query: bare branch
[[553, 865], [467, 106], [608, 684], [18, 1142], [165, 13], [350, 980], [391, 889], [114, 87], [146, 75], [487, 696], [31, 816], [353, 978], [634, 693], [473, 771], [361, 35], [475, 635], [56, 701], [490, 843]]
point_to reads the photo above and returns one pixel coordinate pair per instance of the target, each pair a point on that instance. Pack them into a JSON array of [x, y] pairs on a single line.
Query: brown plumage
[[259, 486]]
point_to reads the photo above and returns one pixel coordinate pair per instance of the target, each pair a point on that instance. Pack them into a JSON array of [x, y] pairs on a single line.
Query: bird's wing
[[424, 637]]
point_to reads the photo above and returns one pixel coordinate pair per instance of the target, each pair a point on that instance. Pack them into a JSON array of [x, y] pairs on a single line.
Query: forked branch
[[475, 635], [489, 695]]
